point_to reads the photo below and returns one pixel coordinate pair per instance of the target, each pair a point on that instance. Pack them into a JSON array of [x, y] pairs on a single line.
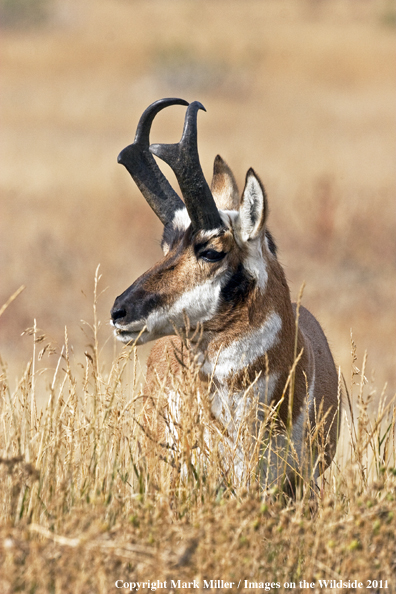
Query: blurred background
[[303, 91]]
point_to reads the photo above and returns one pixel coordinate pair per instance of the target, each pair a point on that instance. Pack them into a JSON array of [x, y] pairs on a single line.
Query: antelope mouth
[[137, 336], [127, 337]]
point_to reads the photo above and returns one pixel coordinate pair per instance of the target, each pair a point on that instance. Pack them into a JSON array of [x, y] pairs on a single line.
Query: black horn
[[141, 164], [184, 160]]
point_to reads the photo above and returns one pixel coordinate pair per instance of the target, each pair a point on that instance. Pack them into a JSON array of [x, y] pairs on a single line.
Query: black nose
[[117, 314]]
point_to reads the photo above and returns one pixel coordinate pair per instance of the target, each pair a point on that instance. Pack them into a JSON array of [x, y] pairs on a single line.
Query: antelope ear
[[254, 208], [224, 187]]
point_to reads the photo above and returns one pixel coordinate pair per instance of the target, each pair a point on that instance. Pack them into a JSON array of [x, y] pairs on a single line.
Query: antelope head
[[216, 247]]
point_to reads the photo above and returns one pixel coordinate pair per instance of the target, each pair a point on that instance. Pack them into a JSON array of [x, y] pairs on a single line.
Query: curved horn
[[144, 170], [184, 160]]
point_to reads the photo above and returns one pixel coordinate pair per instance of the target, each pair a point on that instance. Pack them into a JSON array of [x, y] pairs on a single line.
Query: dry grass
[[90, 495], [302, 91]]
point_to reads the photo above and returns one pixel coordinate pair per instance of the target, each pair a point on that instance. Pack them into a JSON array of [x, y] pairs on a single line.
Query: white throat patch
[[243, 352]]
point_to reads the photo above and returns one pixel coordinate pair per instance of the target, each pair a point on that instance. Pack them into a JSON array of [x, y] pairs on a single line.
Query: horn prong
[[183, 158]]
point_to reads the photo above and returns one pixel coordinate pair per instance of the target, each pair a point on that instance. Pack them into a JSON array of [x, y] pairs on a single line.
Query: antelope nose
[[118, 313]]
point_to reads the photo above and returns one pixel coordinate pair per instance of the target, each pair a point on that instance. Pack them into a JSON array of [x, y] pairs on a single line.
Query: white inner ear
[[251, 211]]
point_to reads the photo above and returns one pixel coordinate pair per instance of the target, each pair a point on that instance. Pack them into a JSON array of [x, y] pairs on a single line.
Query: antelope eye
[[212, 255]]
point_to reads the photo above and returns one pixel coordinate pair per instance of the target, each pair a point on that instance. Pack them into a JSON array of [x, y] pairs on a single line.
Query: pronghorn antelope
[[220, 275]]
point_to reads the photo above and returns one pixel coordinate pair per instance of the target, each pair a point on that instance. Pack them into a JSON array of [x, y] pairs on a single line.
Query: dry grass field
[[93, 502], [303, 91]]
